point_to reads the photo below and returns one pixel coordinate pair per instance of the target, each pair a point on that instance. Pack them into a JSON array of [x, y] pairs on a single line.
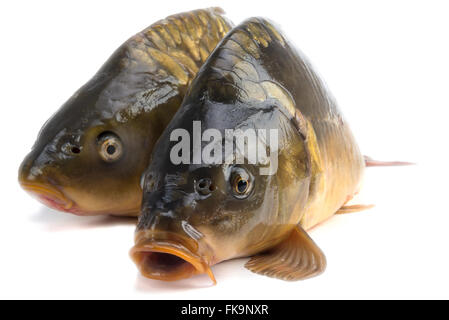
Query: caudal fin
[[369, 162]]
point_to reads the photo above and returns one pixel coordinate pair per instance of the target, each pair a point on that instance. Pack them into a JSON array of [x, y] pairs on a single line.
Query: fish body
[[89, 156], [195, 213]]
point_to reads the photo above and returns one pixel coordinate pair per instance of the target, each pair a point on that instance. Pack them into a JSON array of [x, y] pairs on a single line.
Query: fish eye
[[109, 146], [241, 183]]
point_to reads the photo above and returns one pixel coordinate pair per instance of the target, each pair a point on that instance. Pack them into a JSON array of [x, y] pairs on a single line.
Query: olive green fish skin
[[132, 98], [254, 79]]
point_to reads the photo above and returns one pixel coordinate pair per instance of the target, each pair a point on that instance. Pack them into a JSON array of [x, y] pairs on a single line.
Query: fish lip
[[50, 196], [147, 252]]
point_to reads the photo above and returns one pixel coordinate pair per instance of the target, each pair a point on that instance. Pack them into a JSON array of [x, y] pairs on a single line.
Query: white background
[[386, 62]]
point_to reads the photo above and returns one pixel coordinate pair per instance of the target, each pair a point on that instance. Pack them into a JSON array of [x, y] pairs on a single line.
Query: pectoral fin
[[295, 258]]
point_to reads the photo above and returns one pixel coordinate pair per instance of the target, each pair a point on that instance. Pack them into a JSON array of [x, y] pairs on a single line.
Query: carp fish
[[89, 156], [197, 213]]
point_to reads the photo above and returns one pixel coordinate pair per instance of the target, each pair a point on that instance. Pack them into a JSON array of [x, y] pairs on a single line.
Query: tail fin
[[369, 162]]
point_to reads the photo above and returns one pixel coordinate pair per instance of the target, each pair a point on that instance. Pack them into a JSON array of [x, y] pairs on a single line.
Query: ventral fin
[[354, 208], [295, 258]]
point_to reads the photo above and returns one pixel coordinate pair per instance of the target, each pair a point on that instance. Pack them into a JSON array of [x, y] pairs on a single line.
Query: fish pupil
[[110, 150], [242, 185]]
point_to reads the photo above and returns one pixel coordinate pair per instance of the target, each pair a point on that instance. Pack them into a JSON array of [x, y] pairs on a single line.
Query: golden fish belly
[[342, 167]]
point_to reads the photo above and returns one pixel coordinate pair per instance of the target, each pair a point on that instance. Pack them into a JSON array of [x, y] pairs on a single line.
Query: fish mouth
[[50, 197], [169, 258]]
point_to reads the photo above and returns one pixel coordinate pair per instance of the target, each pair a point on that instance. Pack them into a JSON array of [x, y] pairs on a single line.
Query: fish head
[[89, 156], [195, 215], [191, 218]]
